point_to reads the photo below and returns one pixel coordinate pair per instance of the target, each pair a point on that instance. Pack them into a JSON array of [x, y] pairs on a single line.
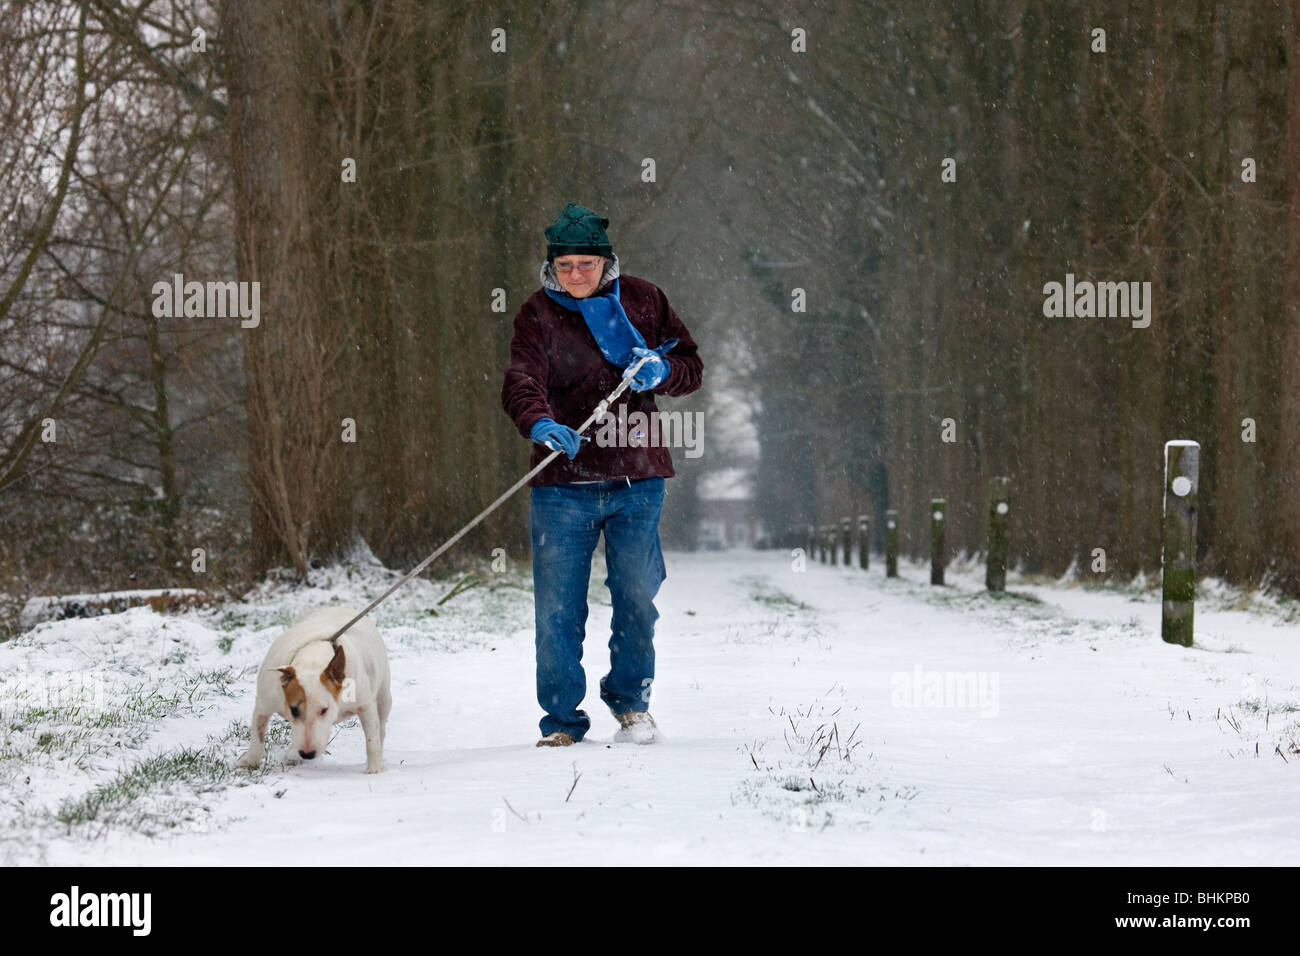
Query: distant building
[[726, 515]]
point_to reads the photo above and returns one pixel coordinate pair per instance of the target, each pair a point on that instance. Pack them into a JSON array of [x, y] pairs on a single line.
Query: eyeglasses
[[585, 268]]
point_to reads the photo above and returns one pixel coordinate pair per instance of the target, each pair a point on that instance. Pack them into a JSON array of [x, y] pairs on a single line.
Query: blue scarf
[[609, 325]]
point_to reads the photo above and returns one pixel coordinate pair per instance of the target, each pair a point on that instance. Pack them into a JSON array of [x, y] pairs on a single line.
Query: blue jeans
[[565, 522]]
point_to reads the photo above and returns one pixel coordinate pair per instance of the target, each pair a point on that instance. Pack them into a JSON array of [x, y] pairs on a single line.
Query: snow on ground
[[816, 716]]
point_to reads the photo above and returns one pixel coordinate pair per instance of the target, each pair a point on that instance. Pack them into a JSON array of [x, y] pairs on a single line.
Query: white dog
[[314, 685]]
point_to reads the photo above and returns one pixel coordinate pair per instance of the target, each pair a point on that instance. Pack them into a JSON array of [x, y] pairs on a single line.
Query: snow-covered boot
[[557, 739], [637, 727]]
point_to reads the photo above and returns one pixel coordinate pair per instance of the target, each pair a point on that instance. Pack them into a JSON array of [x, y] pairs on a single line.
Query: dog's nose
[[306, 754]]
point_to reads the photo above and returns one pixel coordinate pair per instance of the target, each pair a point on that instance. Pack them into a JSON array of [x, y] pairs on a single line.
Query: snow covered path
[[961, 730]]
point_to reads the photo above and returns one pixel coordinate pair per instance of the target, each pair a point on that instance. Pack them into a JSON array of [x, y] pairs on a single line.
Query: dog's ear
[[338, 664], [333, 675], [287, 675]]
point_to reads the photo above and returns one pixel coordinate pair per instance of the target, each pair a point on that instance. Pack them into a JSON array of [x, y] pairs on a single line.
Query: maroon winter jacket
[[557, 371]]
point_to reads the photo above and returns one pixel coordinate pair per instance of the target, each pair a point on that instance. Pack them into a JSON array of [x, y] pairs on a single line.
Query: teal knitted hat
[[578, 232]]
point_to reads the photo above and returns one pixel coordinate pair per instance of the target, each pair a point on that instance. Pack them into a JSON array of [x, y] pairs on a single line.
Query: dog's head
[[313, 703]]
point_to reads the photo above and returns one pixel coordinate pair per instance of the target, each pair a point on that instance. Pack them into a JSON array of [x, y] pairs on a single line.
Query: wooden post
[[1178, 555], [995, 575], [831, 544], [821, 545], [864, 541], [811, 543], [937, 508], [846, 540], [891, 544]]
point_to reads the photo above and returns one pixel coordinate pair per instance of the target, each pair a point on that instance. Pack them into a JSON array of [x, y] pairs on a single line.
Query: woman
[[573, 341]]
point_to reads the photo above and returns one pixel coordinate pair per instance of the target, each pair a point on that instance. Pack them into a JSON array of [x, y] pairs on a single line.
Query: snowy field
[[824, 716]]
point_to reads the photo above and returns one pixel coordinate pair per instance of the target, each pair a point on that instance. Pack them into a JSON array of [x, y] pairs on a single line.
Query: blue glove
[[652, 372], [557, 437]]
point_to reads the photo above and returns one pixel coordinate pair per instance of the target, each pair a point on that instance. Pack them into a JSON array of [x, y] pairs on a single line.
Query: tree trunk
[[1288, 438], [295, 461]]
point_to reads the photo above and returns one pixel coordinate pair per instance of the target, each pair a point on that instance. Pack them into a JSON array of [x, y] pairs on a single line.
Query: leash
[[596, 415]]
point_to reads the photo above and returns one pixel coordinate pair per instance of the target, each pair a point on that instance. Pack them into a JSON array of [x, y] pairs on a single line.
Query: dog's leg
[[385, 705], [256, 740], [374, 730]]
